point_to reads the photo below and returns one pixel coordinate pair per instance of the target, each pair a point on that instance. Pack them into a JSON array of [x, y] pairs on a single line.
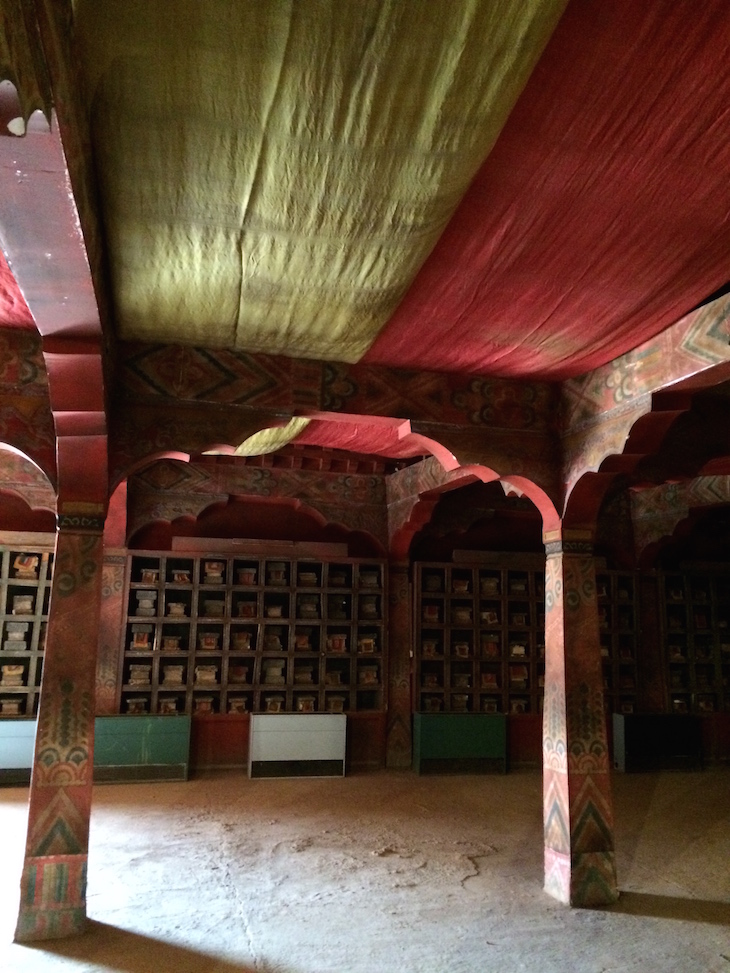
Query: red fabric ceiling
[[601, 215]]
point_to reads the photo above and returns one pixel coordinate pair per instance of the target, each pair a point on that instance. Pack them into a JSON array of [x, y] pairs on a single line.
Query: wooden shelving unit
[[216, 634], [618, 621], [480, 635], [25, 595], [695, 616]]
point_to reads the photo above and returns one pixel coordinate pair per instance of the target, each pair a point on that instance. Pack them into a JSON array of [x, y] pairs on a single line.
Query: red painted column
[[53, 883], [399, 740], [577, 804]]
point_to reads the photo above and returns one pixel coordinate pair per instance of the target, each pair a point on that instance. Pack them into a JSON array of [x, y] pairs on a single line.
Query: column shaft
[[53, 883], [577, 803], [399, 740]]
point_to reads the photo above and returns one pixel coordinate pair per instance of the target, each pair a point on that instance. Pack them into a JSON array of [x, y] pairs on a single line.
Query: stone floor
[[381, 872]]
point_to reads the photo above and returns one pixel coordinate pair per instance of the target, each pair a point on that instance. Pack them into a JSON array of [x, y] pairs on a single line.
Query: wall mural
[[656, 511], [598, 409], [286, 385], [19, 475], [26, 421], [140, 432], [170, 489], [696, 342]]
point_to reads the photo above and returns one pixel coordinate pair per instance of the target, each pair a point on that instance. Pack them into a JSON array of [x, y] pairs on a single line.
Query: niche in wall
[[703, 537], [256, 518], [17, 515]]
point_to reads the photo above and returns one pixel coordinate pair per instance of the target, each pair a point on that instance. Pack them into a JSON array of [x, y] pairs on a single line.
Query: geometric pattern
[[205, 375], [169, 474], [583, 880], [283, 384], [59, 829], [52, 898], [706, 336]]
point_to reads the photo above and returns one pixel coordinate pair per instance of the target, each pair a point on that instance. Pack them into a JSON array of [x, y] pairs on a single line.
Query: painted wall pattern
[[22, 368], [599, 409], [22, 477], [412, 481], [53, 883], [577, 804], [437, 397], [656, 511], [141, 432], [170, 489], [26, 421], [206, 375], [696, 342], [585, 448], [286, 385]]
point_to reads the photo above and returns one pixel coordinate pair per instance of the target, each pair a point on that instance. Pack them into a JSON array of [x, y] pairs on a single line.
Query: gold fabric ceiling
[[273, 173]]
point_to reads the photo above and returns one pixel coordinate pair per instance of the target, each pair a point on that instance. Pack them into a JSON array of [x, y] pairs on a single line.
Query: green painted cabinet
[[459, 742], [126, 748], [141, 748]]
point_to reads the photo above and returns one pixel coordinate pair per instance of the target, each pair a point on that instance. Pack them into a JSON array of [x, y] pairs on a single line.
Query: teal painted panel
[[459, 735], [124, 740], [17, 740]]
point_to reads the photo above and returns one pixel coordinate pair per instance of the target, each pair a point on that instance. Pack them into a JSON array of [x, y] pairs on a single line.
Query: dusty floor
[[382, 872]]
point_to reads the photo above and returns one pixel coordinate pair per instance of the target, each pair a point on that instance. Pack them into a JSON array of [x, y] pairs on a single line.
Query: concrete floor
[[381, 872]]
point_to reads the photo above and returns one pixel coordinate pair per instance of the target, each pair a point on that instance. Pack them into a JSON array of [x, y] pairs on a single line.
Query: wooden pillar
[[577, 805], [113, 610], [651, 667], [399, 740], [53, 883]]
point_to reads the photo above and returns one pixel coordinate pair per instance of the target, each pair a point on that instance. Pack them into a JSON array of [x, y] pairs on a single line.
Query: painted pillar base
[[52, 898], [586, 881]]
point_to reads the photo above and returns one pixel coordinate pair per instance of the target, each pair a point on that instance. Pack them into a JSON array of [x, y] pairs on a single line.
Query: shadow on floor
[[672, 907], [132, 952]]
